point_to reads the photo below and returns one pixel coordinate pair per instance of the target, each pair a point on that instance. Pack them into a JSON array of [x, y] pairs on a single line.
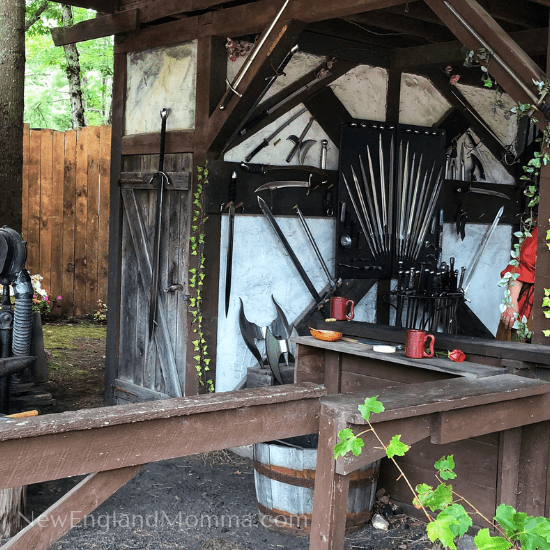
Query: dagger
[[480, 191], [231, 229], [264, 168]]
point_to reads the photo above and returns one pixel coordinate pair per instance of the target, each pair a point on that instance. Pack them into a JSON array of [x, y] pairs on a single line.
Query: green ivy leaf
[[445, 466], [546, 333], [547, 314], [396, 447], [546, 301], [372, 405], [484, 541], [348, 442]]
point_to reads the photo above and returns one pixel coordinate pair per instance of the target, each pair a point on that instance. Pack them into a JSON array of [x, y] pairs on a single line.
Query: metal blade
[[229, 263], [273, 351], [390, 197], [375, 198], [283, 184], [370, 203], [481, 191], [372, 241], [275, 226], [250, 333]]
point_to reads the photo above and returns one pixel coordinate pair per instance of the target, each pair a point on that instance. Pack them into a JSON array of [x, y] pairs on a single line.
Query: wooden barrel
[[284, 475]]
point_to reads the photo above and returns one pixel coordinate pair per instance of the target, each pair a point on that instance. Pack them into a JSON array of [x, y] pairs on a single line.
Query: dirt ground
[[202, 502]]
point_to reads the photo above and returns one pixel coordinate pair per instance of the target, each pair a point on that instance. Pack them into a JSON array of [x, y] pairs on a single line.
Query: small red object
[[457, 356], [416, 344], [339, 306]]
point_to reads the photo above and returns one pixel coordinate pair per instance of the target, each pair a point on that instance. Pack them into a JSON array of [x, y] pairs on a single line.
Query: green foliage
[[196, 280], [448, 519], [47, 102]]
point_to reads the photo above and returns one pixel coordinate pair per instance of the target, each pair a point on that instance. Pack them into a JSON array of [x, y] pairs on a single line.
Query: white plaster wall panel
[[494, 170], [484, 294], [158, 78], [496, 111], [262, 268], [278, 149], [421, 104], [300, 64], [363, 92]]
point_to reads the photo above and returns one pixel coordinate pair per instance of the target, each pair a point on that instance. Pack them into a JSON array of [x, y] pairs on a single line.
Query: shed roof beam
[[102, 6], [532, 41], [513, 69]]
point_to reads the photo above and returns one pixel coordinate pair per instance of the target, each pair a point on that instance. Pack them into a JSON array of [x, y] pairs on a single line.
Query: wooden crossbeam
[[109, 438], [102, 6], [71, 509], [99, 27], [513, 69]]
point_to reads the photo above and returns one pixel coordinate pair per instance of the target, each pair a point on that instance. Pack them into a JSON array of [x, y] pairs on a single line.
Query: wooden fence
[[66, 214]]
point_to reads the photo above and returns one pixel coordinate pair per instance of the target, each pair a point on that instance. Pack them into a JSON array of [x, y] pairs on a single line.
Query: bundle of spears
[[428, 299], [396, 213]]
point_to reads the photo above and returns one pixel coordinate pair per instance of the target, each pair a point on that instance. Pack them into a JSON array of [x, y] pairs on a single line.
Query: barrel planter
[[284, 476]]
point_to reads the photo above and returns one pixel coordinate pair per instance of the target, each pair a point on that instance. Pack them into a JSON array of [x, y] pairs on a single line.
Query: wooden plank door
[[153, 368]]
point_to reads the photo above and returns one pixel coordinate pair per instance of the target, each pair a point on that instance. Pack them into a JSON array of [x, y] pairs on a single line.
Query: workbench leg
[[330, 496]]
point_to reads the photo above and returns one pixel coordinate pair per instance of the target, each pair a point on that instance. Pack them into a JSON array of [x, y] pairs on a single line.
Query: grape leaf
[[372, 405], [484, 541], [445, 465], [396, 447]]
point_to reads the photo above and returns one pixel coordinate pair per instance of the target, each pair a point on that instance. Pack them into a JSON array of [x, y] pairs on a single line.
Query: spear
[[365, 212], [375, 198], [383, 190], [390, 198]]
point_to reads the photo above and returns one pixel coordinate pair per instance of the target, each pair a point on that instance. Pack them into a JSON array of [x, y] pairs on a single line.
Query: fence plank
[[81, 214], [56, 221], [25, 194], [69, 208], [46, 186], [104, 174], [33, 231], [92, 223]]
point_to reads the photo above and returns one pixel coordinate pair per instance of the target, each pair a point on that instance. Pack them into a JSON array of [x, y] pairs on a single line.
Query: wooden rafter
[[106, 25], [222, 123], [532, 41], [513, 69], [102, 6]]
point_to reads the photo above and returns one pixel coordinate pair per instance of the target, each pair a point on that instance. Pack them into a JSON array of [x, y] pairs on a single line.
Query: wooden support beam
[[148, 144], [542, 268], [106, 25], [513, 69], [251, 82], [102, 6], [102, 439], [408, 59], [71, 509]]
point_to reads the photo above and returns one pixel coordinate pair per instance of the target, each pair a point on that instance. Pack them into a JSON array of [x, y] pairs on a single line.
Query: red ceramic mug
[[338, 308], [416, 344]]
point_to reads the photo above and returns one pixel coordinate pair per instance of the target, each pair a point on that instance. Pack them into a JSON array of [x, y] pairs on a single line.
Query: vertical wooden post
[[542, 269], [12, 507]]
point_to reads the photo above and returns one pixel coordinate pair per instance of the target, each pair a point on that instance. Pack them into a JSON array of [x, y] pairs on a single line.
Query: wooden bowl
[[326, 335]]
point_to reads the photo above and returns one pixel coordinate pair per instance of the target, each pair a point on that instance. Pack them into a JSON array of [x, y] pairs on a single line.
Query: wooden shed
[[174, 55]]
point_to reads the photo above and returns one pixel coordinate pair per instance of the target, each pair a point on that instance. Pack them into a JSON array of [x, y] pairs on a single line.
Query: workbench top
[[465, 369]]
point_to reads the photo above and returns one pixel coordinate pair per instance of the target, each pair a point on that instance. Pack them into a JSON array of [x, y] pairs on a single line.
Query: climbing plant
[[196, 280]]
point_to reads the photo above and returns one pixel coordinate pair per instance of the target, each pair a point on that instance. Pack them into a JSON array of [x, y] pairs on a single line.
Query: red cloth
[[526, 269]]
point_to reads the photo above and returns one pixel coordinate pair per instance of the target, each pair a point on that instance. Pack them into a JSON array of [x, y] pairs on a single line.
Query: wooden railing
[[66, 214]]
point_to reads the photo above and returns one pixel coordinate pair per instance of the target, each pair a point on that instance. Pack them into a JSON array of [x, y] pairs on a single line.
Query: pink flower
[[59, 297]]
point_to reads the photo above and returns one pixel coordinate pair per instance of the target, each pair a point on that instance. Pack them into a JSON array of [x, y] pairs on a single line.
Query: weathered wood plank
[[25, 182], [33, 235], [56, 221], [69, 210], [46, 206], [143, 144], [81, 213], [162, 334], [509, 450], [133, 393], [92, 215], [99, 27], [142, 180], [103, 238], [116, 437], [70, 509]]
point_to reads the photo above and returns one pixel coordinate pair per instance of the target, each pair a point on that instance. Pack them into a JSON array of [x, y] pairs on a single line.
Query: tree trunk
[[12, 510], [73, 73], [12, 82]]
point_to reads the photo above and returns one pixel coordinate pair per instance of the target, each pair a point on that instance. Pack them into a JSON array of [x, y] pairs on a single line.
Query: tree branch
[[34, 18]]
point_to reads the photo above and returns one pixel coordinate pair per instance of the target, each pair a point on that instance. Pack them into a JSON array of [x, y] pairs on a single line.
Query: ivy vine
[[532, 192], [196, 279]]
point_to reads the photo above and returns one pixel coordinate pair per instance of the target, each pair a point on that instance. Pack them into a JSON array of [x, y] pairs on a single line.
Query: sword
[[275, 226], [480, 191], [265, 141], [264, 168], [287, 183], [300, 146], [271, 80], [231, 228], [161, 177], [233, 86]]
